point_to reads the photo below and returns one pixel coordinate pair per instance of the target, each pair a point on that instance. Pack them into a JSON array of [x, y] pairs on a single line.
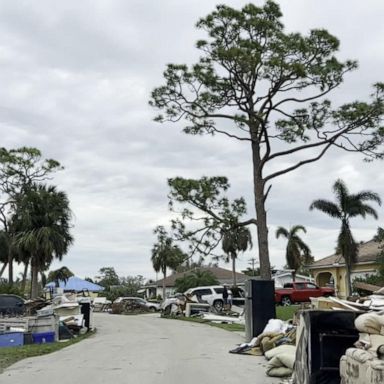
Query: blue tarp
[[76, 284]]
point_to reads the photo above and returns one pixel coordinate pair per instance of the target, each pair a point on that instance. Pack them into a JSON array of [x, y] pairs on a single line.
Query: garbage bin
[[259, 306]]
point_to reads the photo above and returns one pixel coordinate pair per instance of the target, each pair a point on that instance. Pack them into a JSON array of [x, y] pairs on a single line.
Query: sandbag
[[289, 349], [375, 342], [369, 323], [281, 365]]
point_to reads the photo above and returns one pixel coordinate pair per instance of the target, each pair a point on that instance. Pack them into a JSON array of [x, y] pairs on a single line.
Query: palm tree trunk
[[10, 268], [25, 273], [3, 268], [34, 280], [348, 283], [293, 275], [233, 256], [165, 275]]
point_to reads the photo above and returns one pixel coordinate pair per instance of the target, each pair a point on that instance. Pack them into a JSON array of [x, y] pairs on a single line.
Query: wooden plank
[[366, 287]]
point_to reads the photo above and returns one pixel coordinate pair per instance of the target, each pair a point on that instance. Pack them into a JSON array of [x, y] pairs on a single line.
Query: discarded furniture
[[25, 330], [323, 337], [101, 304], [193, 308], [259, 306], [12, 339]]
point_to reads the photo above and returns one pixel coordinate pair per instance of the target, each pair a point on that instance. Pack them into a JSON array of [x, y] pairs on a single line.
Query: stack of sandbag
[[276, 333], [362, 364], [281, 360]]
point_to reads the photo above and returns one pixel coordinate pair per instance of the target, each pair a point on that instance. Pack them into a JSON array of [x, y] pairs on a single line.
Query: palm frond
[[341, 191], [360, 209], [328, 207], [368, 196], [297, 228], [281, 231]]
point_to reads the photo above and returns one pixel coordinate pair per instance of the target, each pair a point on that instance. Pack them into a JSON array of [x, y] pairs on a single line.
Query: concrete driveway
[[144, 349]]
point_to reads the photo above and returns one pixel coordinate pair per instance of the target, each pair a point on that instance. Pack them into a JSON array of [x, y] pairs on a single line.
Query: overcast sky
[[75, 80]]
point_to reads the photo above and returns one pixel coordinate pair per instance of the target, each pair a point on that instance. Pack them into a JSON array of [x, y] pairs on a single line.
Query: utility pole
[[252, 262]]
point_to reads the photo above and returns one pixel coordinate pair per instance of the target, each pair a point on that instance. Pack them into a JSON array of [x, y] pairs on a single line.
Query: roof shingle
[[367, 253]]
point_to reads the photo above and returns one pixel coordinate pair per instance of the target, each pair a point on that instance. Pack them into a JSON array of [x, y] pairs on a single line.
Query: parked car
[[213, 295], [11, 305], [300, 292], [153, 307]]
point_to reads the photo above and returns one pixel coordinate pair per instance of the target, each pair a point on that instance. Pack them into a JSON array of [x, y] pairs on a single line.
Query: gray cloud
[[75, 83]]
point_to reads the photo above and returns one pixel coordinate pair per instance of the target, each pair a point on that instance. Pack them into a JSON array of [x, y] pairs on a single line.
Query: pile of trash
[[129, 308], [192, 306], [61, 318], [277, 344]]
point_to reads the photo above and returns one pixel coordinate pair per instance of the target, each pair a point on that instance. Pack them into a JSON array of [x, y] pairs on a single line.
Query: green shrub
[[10, 289]]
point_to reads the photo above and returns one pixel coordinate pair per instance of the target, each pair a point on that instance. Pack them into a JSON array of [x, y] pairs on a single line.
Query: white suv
[[213, 295]]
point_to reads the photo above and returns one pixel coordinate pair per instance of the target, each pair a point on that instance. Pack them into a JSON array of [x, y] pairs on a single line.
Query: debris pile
[[277, 344], [364, 363], [128, 308], [43, 321]]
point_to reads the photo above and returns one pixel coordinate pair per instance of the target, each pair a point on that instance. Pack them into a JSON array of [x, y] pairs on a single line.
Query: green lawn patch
[[11, 355], [286, 313]]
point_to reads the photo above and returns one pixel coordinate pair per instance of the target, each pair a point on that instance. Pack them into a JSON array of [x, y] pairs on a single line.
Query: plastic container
[[13, 339], [43, 337], [28, 338]]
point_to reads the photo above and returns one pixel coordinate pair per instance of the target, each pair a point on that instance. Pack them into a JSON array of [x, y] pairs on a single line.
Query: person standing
[[225, 295], [229, 299]]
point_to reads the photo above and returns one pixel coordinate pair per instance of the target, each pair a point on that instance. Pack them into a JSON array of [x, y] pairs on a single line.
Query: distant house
[[75, 284], [282, 277], [224, 276], [331, 269]]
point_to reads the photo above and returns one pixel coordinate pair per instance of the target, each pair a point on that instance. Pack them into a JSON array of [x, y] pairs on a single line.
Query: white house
[[282, 277]]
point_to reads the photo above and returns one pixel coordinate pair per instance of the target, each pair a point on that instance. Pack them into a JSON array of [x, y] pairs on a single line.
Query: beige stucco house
[[331, 269]]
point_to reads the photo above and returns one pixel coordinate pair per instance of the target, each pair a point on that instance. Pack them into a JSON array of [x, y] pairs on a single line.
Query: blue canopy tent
[[76, 284]]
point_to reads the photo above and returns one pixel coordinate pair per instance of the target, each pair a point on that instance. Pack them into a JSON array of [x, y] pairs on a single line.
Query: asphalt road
[[144, 349]]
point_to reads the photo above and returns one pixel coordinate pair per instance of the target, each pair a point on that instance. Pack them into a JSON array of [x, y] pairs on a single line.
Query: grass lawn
[[11, 355], [286, 313]]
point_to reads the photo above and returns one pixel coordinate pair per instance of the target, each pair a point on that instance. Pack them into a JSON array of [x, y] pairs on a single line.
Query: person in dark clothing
[[225, 295]]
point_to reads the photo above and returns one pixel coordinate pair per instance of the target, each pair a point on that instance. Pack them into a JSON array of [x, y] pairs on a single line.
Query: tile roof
[[223, 275], [367, 253]]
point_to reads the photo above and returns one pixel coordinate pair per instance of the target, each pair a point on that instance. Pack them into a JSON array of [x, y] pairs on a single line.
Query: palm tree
[[197, 278], [42, 218], [346, 207], [61, 274], [165, 254], [297, 252], [235, 240]]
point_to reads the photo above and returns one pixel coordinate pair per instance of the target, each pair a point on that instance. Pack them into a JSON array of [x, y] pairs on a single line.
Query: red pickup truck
[[300, 291]]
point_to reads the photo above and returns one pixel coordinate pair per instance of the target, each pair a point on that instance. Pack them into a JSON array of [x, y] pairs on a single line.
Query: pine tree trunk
[[233, 257], [261, 215]]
